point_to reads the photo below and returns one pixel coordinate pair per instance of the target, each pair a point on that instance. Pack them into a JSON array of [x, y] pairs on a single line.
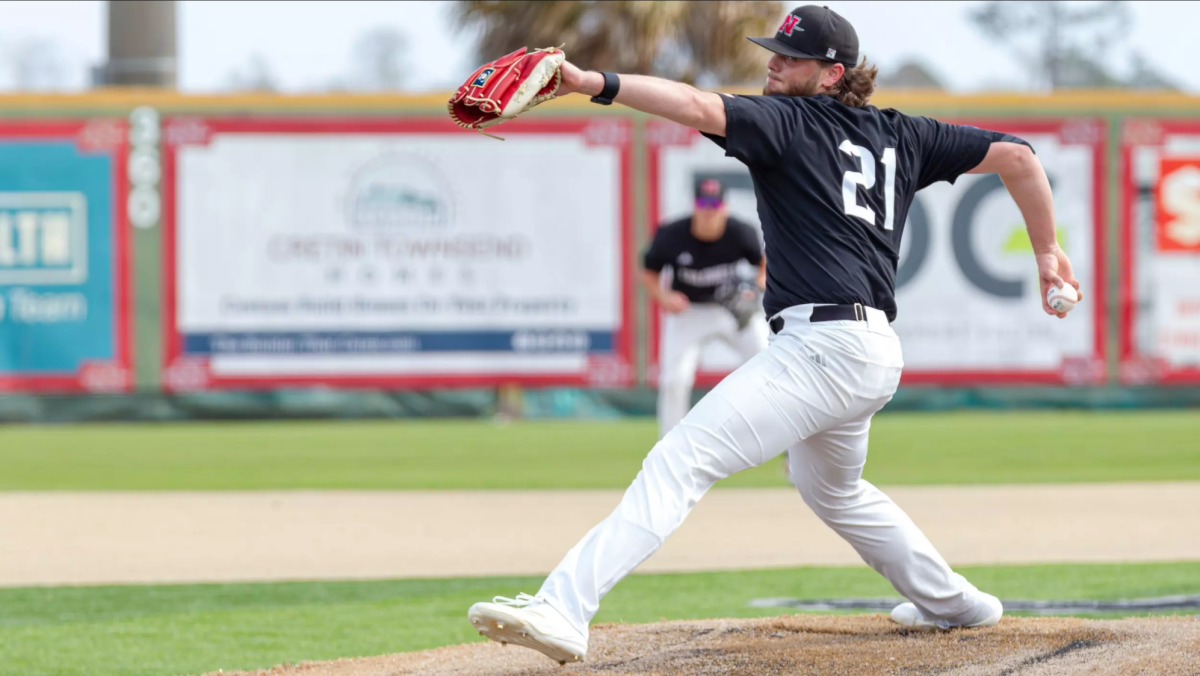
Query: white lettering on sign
[[1180, 196], [31, 307], [43, 238]]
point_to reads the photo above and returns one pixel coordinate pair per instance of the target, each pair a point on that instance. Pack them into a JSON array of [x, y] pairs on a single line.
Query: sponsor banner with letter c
[[967, 284]]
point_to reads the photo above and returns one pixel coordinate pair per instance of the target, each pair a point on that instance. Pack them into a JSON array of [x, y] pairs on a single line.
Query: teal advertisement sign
[[63, 258]]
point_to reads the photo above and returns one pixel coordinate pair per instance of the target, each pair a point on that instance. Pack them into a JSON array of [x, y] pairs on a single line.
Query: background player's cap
[[710, 193], [812, 32]]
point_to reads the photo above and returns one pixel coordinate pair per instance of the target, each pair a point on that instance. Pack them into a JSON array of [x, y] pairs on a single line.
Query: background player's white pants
[[812, 392], [683, 338]]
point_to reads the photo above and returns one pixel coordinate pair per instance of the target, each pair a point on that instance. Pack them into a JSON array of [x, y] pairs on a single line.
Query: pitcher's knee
[[677, 459], [827, 503], [807, 492], [670, 484]]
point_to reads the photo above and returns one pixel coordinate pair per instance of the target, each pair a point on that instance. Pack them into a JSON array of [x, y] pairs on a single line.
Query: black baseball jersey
[[700, 267], [834, 184]]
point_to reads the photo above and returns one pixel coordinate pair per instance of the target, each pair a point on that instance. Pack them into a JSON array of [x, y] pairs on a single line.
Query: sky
[[307, 44]]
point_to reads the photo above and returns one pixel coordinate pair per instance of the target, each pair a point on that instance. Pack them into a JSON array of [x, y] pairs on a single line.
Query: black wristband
[[612, 84]]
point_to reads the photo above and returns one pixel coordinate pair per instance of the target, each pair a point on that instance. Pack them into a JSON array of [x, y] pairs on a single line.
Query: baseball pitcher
[[834, 178], [706, 299]]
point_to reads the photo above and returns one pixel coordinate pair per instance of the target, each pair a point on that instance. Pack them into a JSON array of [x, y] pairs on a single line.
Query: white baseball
[[1062, 298]]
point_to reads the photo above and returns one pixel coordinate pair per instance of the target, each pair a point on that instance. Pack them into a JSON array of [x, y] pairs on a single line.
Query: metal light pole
[[141, 44]]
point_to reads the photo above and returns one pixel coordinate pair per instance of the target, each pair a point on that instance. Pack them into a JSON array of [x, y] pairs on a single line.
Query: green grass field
[[906, 448], [167, 630]]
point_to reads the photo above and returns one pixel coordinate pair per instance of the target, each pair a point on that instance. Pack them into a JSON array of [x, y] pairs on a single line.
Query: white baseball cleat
[[530, 622], [987, 614]]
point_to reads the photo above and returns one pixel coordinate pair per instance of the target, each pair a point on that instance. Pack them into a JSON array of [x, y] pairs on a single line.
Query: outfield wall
[[366, 243]]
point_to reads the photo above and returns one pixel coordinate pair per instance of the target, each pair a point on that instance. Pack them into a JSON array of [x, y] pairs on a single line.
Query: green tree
[[33, 64], [1067, 44], [910, 74], [696, 42], [253, 76], [378, 60]]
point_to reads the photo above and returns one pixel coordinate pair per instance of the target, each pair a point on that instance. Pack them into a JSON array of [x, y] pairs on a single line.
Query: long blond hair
[[856, 85]]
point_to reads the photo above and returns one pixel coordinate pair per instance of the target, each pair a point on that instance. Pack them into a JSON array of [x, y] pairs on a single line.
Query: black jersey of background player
[[699, 267], [834, 184]]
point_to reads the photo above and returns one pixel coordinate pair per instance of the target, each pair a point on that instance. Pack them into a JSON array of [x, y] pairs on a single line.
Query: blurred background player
[[703, 251]]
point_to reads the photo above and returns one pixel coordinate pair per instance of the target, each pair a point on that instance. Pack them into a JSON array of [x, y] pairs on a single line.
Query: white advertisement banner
[[1160, 284], [400, 253], [967, 285]]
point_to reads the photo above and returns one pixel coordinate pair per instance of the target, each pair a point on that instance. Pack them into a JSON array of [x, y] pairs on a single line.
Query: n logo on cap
[[790, 23]]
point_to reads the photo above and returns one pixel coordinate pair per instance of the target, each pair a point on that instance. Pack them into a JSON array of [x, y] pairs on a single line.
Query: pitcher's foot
[[988, 612], [530, 622]]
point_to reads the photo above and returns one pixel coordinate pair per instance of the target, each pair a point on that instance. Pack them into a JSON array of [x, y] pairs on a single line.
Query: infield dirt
[[810, 644], [124, 538]]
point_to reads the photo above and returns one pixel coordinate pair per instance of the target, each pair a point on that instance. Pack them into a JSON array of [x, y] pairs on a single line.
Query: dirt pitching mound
[[810, 644]]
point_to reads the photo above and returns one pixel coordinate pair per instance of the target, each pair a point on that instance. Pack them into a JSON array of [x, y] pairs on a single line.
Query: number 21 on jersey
[[866, 178]]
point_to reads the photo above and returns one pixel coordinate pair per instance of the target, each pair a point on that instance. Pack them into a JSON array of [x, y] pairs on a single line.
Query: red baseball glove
[[507, 87]]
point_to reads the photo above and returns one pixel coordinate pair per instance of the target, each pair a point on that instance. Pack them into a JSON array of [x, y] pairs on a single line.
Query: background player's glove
[[507, 87], [742, 298]]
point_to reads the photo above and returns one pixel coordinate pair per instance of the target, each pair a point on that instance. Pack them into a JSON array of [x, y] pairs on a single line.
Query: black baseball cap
[[812, 32], [710, 192]]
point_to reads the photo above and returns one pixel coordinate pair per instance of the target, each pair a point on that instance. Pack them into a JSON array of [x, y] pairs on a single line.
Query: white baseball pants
[[683, 338], [812, 392]]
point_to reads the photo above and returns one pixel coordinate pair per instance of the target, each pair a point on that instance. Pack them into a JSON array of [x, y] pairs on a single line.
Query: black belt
[[829, 313]]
